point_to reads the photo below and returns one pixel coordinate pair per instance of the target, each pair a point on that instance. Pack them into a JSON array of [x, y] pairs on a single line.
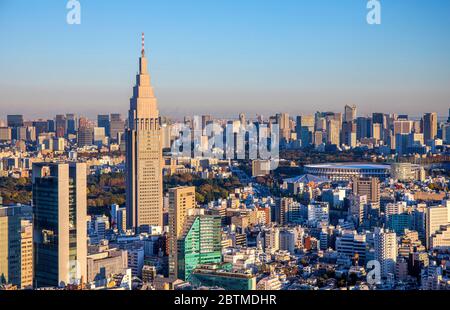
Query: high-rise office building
[[363, 127], [305, 129], [283, 121], [181, 200], [333, 132], [41, 127], [401, 144], [71, 124], [430, 126], [403, 127], [446, 133], [378, 118], [144, 154], [435, 217], [369, 187], [16, 248], [99, 135], [200, 243], [85, 136], [51, 125], [349, 133], [104, 122], [85, 133], [14, 120], [116, 126], [61, 126], [59, 221], [5, 134], [377, 131], [350, 113], [26, 253], [320, 123]]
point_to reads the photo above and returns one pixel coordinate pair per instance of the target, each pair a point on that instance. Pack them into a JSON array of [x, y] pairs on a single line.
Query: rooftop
[[350, 166]]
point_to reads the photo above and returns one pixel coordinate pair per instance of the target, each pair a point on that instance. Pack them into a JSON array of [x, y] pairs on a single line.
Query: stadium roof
[[350, 166], [307, 178]]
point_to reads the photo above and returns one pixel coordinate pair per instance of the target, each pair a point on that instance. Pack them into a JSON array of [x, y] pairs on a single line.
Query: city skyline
[[300, 57]]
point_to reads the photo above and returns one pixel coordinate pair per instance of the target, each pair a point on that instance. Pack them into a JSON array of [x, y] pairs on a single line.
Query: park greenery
[[107, 189], [15, 190], [207, 190]]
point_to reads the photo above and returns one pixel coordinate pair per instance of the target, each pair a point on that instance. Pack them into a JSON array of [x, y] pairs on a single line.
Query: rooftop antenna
[[143, 45]]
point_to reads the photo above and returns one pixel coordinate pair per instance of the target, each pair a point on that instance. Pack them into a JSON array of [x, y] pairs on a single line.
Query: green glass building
[[200, 244]]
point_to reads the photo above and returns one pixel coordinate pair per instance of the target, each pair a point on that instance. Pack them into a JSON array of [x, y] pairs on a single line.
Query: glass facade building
[[200, 244], [59, 208]]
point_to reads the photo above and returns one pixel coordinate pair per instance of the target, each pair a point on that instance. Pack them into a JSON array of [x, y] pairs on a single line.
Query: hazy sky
[[226, 56]]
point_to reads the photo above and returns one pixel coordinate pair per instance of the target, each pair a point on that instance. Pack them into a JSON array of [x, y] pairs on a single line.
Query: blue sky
[[225, 57]]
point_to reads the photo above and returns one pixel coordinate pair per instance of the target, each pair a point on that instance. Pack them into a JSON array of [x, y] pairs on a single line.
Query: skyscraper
[[16, 247], [402, 127], [144, 154], [283, 121], [41, 127], [429, 126], [350, 113], [363, 126], [71, 124], [61, 126], [305, 129], [51, 125], [116, 126], [99, 136], [5, 134], [200, 243], [104, 122], [378, 118], [59, 209], [333, 132], [15, 122], [85, 134], [181, 200], [349, 133]]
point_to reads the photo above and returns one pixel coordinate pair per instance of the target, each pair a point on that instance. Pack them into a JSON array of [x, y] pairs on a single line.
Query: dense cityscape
[[330, 201]]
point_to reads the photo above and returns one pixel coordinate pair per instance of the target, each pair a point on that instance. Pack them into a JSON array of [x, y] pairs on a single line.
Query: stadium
[[346, 171]]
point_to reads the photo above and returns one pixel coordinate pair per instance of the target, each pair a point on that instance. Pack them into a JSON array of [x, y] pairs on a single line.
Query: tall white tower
[[144, 154], [386, 250]]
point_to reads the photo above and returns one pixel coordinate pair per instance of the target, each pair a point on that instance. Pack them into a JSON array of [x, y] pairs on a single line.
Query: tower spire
[[143, 45]]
